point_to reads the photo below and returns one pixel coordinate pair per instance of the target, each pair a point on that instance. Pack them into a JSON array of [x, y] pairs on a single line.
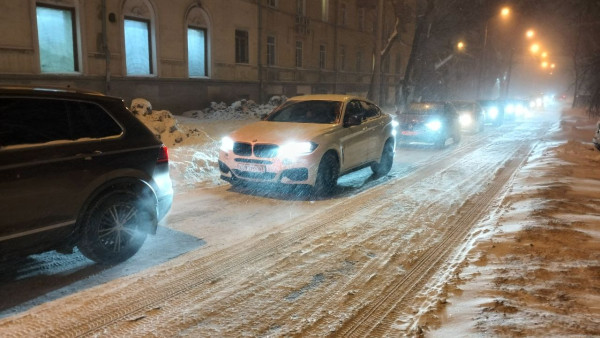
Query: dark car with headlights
[[470, 116], [493, 111], [429, 123], [77, 169]]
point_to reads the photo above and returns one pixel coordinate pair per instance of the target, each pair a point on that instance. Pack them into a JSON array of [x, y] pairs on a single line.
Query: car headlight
[[226, 144], [295, 149], [493, 112], [434, 125], [465, 119]]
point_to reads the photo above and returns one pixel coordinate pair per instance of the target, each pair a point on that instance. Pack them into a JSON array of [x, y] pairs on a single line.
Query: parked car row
[[77, 169]]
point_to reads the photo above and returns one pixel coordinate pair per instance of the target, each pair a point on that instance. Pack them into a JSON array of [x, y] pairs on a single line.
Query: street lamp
[[544, 55], [535, 48], [530, 34], [460, 45], [505, 12]]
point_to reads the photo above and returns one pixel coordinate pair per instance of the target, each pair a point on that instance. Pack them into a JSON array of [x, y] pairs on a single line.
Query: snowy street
[[374, 259]]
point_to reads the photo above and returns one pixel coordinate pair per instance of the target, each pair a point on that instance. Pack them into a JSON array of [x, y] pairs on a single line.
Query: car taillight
[[163, 155]]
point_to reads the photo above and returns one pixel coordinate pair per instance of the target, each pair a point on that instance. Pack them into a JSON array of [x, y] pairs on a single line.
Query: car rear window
[[38, 121], [425, 108]]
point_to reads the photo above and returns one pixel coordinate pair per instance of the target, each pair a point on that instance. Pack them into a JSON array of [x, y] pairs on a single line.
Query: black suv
[[77, 169]]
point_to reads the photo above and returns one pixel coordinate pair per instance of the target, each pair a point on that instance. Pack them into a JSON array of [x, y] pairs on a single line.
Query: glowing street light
[[544, 55], [505, 12], [535, 48], [530, 34], [553, 66], [460, 45], [545, 64]]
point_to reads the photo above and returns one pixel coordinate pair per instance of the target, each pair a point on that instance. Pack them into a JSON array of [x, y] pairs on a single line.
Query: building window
[[322, 57], [342, 57], [298, 53], [196, 39], [359, 58], [343, 14], [272, 3], [241, 46], [301, 7], [57, 39], [138, 49], [270, 50], [361, 19], [325, 10]]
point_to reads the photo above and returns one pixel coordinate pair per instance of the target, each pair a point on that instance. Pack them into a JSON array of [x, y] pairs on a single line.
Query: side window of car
[[89, 120], [353, 108], [370, 110], [32, 121]]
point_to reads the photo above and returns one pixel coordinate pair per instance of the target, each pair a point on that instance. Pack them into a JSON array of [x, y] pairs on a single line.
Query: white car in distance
[[311, 140]]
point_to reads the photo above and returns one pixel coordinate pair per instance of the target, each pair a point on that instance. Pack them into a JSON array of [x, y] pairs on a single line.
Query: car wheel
[[327, 175], [441, 141], [113, 228], [385, 162]]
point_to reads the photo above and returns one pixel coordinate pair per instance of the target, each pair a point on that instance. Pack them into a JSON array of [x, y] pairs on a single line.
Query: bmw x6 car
[[310, 140], [434, 123], [77, 169]]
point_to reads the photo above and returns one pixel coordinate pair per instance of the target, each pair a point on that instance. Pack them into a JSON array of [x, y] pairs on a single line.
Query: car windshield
[[316, 111], [463, 106], [425, 109]]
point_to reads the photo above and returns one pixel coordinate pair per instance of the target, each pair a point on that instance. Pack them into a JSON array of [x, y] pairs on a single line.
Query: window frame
[[77, 60], [322, 57], [148, 23], [242, 51], [299, 51], [192, 27], [271, 50]]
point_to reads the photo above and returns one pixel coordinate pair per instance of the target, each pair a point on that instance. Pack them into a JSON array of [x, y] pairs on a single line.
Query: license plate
[[406, 132], [254, 168]]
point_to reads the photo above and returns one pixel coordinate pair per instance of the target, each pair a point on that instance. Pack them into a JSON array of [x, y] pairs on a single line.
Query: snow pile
[[239, 110], [161, 122]]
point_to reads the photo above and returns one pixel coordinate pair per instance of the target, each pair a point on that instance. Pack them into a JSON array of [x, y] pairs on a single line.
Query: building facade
[[183, 54]]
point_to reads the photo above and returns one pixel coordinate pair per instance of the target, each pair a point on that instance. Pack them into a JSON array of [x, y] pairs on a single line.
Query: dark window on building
[[197, 65], [342, 57], [270, 50], [241, 46], [138, 47], [301, 7], [57, 39], [322, 57], [298, 53], [272, 3]]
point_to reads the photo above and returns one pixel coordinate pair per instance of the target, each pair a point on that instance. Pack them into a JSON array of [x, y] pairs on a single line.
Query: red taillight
[[163, 155]]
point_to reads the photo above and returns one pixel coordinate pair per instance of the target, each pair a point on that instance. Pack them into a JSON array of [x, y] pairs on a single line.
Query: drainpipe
[[335, 42], [105, 49], [260, 65]]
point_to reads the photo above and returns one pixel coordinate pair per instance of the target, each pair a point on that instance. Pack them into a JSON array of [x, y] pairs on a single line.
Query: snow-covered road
[[367, 261]]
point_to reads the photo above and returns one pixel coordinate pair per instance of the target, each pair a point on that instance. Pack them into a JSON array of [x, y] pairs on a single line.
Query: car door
[[354, 139], [374, 122]]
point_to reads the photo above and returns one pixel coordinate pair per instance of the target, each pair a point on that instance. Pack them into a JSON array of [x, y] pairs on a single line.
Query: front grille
[[253, 175], [250, 160], [265, 150], [242, 149]]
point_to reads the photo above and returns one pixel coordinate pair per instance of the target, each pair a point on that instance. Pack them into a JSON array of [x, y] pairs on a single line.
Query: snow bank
[[239, 110]]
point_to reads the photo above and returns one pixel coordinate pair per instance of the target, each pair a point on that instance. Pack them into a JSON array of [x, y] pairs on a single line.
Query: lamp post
[[504, 13]]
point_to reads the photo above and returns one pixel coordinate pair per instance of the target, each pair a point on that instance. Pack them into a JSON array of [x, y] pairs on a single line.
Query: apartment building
[[183, 54]]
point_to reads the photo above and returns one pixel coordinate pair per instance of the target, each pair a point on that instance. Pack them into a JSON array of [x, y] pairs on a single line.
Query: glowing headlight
[[493, 112], [510, 108], [295, 149], [434, 125], [226, 144], [465, 119]]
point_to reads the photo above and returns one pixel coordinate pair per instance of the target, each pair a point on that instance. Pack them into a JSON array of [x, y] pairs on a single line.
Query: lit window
[[241, 47], [197, 51], [270, 50], [57, 39], [138, 47]]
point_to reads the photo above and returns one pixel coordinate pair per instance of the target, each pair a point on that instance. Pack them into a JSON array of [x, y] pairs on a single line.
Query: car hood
[[278, 132]]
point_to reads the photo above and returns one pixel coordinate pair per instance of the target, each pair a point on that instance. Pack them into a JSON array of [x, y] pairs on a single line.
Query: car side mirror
[[353, 120]]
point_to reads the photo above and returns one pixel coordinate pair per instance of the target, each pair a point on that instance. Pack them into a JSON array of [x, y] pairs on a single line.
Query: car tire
[[113, 229], [327, 175], [386, 161]]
